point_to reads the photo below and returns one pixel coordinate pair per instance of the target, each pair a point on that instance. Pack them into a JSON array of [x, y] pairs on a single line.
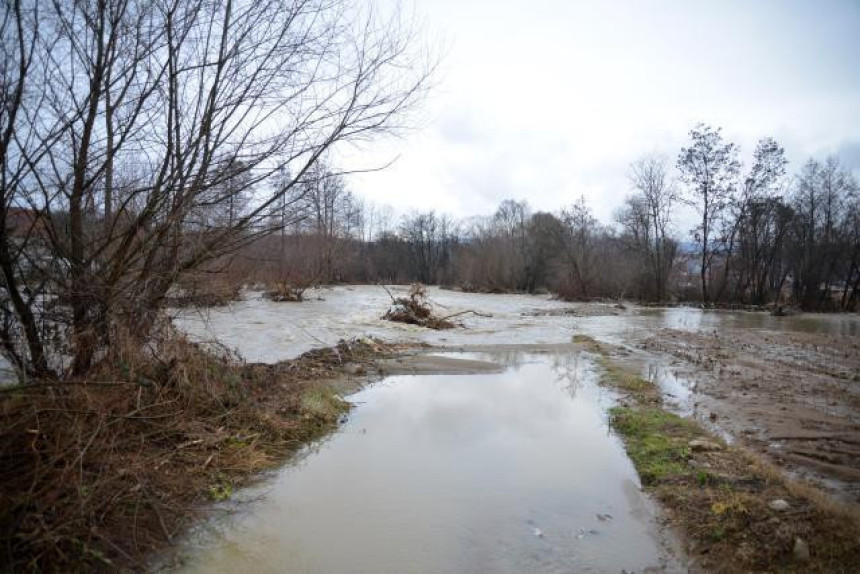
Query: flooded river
[[515, 470], [267, 331], [509, 472]]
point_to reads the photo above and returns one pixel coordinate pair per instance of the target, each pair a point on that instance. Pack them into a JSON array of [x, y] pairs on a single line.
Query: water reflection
[[677, 391], [501, 472], [689, 319], [571, 371]]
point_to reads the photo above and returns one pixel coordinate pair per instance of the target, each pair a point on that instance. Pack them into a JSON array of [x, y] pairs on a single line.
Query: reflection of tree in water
[[571, 370], [511, 359]]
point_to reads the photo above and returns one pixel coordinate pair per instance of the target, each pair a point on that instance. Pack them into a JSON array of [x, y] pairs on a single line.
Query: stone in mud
[[801, 550], [778, 504], [703, 446]]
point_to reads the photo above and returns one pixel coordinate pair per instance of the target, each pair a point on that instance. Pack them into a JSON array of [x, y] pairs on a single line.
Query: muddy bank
[[735, 511], [793, 396], [424, 364]]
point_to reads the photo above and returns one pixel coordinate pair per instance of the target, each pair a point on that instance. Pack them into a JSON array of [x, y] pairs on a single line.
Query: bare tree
[[647, 218], [329, 215], [199, 104], [709, 167], [430, 239], [578, 245], [823, 202], [757, 225]]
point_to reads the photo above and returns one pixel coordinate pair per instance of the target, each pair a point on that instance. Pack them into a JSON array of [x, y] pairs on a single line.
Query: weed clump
[[285, 292]]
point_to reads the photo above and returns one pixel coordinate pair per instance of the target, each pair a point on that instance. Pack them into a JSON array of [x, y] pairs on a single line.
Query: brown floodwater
[[514, 471], [624, 327], [840, 324]]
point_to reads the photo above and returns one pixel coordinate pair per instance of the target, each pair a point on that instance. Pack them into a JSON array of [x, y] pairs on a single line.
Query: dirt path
[[793, 396]]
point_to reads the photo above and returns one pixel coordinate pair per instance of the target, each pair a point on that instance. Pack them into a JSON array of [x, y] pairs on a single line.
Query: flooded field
[[516, 470], [267, 331], [508, 472]]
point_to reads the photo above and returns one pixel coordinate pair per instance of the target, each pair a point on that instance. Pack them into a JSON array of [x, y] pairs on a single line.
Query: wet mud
[[793, 396]]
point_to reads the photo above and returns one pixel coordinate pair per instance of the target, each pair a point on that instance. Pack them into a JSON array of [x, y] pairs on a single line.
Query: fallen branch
[[446, 317], [393, 300]]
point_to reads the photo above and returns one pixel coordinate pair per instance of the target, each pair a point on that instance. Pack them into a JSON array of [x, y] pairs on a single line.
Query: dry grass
[[97, 474]]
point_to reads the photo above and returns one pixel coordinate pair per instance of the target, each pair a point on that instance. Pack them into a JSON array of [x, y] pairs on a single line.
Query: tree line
[[762, 236]]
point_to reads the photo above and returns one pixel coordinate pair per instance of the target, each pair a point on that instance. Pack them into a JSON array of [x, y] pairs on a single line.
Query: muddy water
[[502, 472], [839, 324], [266, 331]]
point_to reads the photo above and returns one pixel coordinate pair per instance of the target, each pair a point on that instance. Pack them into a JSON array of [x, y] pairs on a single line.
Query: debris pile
[[285, 292], [415, 310]]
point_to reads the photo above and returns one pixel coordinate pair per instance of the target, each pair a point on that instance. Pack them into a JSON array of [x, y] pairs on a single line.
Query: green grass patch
[[640, 389], [656, 441]]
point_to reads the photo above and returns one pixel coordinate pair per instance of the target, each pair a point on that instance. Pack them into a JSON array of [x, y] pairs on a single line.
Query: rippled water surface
[[509, 472], [266, 331]]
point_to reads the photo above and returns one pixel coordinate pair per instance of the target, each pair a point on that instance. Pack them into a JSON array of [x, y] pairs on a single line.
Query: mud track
[[793, 396]]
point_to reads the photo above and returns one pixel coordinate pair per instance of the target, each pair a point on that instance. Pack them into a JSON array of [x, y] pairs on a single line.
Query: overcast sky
[[547, 100]]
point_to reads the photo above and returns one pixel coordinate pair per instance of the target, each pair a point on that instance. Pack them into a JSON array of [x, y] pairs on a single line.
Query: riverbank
[[735, 511], [791, 396], [100, 474]]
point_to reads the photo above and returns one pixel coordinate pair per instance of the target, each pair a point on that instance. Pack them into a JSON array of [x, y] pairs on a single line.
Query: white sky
[[547, 100]]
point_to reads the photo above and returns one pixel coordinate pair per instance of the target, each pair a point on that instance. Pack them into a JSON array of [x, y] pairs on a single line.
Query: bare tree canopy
[[144, 138], [646, 221], [709, 168]]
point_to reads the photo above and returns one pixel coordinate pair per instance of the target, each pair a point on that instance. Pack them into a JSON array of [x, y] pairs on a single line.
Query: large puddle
[[507, 472]]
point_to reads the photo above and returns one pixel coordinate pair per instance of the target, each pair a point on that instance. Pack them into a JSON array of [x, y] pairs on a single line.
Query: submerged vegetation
[[736, 511]]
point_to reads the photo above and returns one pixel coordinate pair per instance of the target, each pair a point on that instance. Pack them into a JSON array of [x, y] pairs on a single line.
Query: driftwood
[[451, 316], [415, 310]]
